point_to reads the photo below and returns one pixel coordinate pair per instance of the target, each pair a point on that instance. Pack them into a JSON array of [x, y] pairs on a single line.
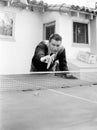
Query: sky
[[87, 3]]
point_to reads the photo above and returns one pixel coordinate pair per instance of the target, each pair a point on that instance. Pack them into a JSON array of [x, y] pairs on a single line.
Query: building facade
[[34, 22]]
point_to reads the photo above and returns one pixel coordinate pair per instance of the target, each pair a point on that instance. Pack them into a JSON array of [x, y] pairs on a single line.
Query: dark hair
[[56, 37]]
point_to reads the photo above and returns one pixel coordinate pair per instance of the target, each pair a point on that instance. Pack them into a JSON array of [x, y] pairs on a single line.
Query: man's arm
[[40, 51], [63, 65], [62, 60], [41, 55]]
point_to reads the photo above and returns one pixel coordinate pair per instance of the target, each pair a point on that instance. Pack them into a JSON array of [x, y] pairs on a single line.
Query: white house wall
[[94, 36], [64, 26], [15, 56]]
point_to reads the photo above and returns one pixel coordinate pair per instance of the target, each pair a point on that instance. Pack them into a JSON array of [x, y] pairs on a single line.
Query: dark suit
[[42, 50]]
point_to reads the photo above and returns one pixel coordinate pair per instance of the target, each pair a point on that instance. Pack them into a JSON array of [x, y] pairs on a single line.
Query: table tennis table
[[47, 102]]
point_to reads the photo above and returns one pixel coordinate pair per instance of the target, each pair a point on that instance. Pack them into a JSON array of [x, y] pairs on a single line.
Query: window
[[4, 3], [80, 33], [49, 28], [7, 23]]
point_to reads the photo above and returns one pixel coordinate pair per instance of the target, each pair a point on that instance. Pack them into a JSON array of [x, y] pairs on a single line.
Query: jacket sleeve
[[62, 60], [40, 51]]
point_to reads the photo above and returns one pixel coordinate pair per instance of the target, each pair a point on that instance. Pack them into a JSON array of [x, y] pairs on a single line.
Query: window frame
[[11, 16], [82, 21], [52, 23]]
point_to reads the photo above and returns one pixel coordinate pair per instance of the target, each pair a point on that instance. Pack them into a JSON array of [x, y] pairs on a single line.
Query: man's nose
[[56, 48]]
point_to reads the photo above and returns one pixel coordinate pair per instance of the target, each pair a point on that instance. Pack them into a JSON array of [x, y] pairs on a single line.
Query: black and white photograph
[[48, 64]]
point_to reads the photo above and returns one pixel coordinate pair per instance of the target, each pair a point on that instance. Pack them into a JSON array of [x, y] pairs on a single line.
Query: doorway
[[48, 29]]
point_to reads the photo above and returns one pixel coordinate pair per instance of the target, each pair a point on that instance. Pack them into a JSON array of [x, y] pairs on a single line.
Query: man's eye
[[54, 45]]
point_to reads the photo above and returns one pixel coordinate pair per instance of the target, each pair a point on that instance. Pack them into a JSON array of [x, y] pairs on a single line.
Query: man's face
[[54, 46]]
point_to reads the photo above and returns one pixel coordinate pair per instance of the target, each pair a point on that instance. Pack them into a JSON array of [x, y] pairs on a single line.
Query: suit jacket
[[42, 50]]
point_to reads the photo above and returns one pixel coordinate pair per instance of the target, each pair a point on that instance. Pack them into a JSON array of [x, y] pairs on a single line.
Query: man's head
[[55, 41]]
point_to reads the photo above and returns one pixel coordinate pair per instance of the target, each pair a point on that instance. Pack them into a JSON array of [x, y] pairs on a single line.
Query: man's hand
[[45, 59], [48, 59]]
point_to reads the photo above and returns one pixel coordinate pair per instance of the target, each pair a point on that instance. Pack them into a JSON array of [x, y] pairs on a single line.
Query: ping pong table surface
[[54, 104]]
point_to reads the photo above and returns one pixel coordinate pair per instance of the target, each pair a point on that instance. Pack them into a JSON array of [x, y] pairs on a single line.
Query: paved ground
[[53, 109]]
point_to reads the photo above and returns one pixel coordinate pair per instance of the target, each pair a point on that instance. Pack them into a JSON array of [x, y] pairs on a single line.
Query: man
[[46, 55]]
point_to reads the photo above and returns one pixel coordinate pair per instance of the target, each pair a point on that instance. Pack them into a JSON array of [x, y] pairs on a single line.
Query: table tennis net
[[46, 80]]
